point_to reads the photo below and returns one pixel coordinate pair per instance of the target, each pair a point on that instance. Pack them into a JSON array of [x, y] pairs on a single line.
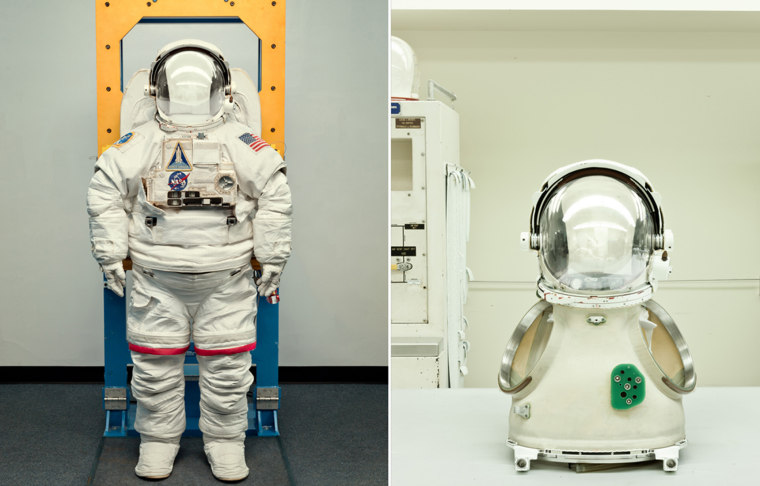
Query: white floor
[[458, 437]]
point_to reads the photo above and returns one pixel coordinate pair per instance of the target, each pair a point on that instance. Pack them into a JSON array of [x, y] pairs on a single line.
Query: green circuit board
[[627, 387]]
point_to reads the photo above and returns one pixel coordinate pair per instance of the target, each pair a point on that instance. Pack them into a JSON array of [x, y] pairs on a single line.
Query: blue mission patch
[[179, 160], [177, 181], [124, 139]]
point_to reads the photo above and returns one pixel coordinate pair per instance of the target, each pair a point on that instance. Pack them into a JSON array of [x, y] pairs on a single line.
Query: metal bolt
[[638, 379], [108, 46], [671, 463], [274, 45], [628, 401], [521, 463], [617, 378], [627, 386]]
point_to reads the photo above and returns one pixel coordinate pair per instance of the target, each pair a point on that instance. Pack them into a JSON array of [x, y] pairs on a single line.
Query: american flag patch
[[253, 141]]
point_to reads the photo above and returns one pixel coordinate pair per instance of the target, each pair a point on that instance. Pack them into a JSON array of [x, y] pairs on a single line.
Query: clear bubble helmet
[[596, 369], [190, 80]]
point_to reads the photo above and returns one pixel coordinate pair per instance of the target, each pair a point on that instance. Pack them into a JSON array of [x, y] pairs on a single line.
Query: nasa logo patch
[[177, 181], [124, 139]]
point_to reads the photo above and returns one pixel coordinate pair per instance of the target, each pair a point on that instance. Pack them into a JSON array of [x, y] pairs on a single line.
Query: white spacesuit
[[188, 196]]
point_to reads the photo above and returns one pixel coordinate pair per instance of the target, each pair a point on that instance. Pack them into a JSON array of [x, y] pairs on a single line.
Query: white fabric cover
[[270, 279], [188, 240], [224, 381], [116, 278], [226, 458], [458, 186], [220, 305], [158, 385], [156, 457]]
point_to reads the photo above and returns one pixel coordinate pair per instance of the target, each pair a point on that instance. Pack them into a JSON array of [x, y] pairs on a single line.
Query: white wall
[[334, 309], [683, 107]]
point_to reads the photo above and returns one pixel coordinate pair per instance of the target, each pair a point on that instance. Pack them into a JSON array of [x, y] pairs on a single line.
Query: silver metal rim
[[690, 377], [514, 342], [596, 457], [587, 301]]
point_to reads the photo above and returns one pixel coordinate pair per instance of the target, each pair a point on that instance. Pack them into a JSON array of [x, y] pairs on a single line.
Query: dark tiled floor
[[330, 435]]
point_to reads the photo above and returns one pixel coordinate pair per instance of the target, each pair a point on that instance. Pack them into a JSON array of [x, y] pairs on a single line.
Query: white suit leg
[[158, 384], [224, 382]]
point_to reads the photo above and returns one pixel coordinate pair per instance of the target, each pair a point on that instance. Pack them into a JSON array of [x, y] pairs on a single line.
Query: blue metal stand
[[120, 413]]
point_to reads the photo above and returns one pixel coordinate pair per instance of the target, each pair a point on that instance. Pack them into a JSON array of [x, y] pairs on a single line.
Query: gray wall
[[334, 309]]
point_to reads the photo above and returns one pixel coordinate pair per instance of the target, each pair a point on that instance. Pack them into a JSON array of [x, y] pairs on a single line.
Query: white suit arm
[[272, 223], [109, 222]]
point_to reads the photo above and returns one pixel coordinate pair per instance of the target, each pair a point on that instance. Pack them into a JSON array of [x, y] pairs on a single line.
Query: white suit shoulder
[[127, 158], [254, 159]]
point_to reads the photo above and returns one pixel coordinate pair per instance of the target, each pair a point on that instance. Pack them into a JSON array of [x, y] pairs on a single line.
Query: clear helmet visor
[[596, 236], [189, 88]]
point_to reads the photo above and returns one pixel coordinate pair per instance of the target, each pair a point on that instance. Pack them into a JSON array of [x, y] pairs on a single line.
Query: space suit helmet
[[190, 80], [405, 75], [598, 229]]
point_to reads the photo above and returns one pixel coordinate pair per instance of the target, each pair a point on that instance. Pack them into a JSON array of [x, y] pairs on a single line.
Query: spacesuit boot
[[226, 457], [224, 383], [156, 457]]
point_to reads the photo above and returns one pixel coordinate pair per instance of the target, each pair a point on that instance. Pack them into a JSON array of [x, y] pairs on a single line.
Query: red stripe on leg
[[158, 351], [214, 352]]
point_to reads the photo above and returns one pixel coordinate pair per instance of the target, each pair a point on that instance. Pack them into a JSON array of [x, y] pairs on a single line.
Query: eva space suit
[[188, 196]]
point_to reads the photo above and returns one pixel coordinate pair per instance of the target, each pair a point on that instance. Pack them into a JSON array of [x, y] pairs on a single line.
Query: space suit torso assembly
[[596, 369], [190, 196], [193, 198]]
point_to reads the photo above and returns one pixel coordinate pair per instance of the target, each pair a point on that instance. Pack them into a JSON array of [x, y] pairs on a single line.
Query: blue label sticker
[[177, 181], [395, 108], [179, 160], [124, 139]]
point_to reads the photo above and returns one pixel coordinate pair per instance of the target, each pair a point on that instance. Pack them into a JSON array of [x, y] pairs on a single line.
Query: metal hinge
[[267, 398], [115, 398], [522, 410]]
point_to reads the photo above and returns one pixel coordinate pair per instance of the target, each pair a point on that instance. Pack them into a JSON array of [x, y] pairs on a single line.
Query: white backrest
[[137, 107], [245, 94]]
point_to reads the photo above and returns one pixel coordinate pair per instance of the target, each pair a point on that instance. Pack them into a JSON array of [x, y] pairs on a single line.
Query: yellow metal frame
[[115, 18]]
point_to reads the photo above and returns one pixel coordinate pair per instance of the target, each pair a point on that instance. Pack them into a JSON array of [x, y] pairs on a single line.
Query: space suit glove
[[116, 279], [270, 278]]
